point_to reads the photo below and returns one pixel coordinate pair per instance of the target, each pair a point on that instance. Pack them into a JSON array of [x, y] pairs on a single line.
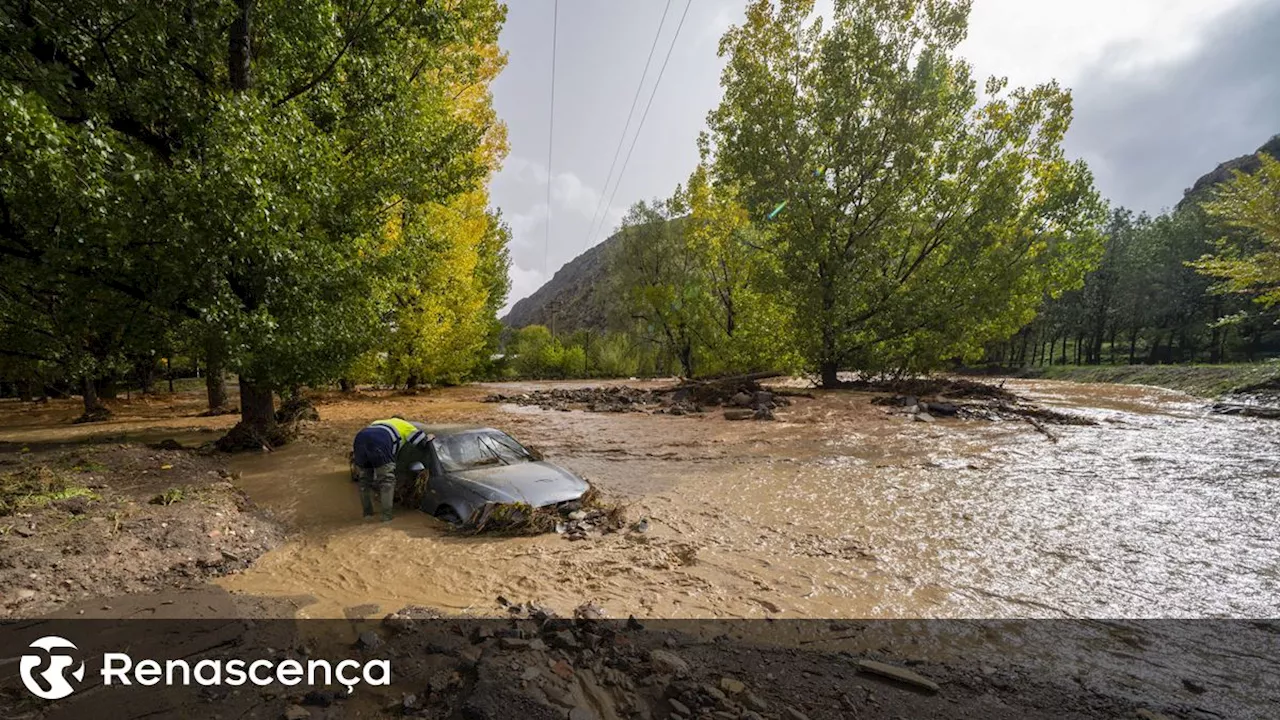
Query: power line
[[648, 105], [551, 131], [630, 113]]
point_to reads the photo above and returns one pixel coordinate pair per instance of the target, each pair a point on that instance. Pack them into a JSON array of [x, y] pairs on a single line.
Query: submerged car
[[468, 467]]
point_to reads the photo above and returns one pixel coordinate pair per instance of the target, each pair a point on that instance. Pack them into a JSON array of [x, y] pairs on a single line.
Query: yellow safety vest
[[402, 429]]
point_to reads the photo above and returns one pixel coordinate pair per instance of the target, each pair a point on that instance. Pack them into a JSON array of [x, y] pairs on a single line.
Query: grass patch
[[169, 497], [36, 487], [1202, 380]]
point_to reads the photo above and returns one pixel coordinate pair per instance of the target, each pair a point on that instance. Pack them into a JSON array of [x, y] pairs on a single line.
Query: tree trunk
[[90, 389], [240, 49], [146, 375], [215, 381], [257, 406], [94, 410], [26, 390], [686, 359], [412, 382], [345, 385], [830, 374]]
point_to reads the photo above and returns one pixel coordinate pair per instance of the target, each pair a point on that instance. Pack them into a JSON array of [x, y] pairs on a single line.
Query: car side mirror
[[535, 453]]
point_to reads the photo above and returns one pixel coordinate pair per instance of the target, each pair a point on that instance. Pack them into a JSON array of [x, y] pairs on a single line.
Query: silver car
[[470, 467]]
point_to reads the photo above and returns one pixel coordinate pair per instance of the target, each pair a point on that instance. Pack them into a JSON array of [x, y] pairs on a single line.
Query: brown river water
[[837, 510]]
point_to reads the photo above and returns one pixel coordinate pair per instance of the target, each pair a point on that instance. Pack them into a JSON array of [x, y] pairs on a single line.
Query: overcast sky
[[1164, 90]]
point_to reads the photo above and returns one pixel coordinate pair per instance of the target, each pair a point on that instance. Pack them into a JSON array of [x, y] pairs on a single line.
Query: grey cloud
[[1149, 134]]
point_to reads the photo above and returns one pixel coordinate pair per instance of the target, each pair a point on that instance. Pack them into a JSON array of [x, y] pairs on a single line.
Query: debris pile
[[619, 398], [575, 520], [289, 419], [742, 396], [1000, 405]]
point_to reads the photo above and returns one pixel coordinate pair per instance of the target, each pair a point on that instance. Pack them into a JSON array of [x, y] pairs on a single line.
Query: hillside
[[575, 298], [1247, 164]]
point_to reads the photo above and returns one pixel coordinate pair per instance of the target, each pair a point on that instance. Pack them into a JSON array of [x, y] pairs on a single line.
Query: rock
[[469, 657], [641, 526], [581, 713], [25, 594], [1193, 686], [762, 397], [563, 669], [715, 693], [754, 702], [589, 611], [943, 408], [318, 698], [538, 645], [896, 673], [410, 703], [565, 640], [578, 515], [763, 413], [667, 663], [369, 640], [513, 643], [923, 417], [296, 712], [742, 399], [680, 707], [739, 414], [731, 686], [1146, 714]]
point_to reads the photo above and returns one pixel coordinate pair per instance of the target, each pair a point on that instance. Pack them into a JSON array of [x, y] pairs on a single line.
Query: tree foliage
[[1249, 262], [920, 223], [239, 166]]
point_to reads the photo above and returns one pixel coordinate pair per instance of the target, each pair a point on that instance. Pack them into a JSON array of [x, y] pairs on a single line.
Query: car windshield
[[482, 448]]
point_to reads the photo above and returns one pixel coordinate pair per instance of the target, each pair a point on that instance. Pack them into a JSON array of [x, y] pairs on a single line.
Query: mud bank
[[92, 521]]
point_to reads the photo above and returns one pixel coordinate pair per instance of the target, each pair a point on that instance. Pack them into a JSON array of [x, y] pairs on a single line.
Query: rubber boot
[[388, 501], [366, 501]]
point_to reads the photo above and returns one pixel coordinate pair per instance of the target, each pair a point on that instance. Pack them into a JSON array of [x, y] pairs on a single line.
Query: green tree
[[919, 223], [234, 165], [1248, 261], [657, 279]]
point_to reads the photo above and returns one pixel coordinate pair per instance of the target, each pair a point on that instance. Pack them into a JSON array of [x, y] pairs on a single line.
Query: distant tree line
[[1197, 284], [293, 192]]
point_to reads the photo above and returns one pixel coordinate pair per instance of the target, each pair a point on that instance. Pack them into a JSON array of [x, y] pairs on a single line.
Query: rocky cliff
[[1245, 163], [576, 298]]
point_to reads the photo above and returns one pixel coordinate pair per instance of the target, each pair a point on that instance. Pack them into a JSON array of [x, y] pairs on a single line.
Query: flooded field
[[837, 510]]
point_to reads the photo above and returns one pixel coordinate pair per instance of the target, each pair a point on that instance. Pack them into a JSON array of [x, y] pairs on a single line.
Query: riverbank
[[1209, 381], [80, 523]]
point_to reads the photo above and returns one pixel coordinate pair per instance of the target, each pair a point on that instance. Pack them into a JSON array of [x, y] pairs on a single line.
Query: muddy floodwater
[[838, 509]]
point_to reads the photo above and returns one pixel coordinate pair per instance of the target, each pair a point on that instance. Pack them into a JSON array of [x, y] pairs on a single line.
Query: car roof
[[447, 430]]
